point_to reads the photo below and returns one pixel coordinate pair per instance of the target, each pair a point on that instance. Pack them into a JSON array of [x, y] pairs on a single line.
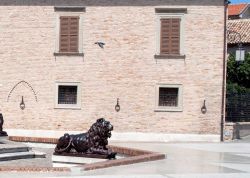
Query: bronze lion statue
[[93, 142]]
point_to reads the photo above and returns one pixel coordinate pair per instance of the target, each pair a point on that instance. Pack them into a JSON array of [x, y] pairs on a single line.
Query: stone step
[[13, 149], [7, 146], [10, 150], [21, 155]]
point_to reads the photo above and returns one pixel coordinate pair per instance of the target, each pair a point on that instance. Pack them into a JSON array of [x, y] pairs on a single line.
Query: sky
[[239, 1]]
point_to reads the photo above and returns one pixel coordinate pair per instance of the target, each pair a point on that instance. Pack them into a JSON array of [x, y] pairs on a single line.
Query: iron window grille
[[168, 97], [67, 94]]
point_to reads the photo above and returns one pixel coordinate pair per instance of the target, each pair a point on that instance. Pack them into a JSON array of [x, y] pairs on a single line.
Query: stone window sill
[[68, 54], [168, 109], [169, 56], [67, 107]]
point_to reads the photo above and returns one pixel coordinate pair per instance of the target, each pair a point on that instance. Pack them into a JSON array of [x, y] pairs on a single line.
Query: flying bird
[[100, 44]]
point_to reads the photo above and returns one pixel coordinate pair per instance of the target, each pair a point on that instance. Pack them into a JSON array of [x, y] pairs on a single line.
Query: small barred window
[[168, 97], [67, 95]]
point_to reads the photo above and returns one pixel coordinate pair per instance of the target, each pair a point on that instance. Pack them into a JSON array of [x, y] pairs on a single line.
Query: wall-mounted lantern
[[240, 53], [22, 105], [204, 108], [117, 106]]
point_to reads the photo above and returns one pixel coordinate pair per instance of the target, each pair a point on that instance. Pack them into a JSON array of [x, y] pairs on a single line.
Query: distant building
[[241, 27], [239, 11]]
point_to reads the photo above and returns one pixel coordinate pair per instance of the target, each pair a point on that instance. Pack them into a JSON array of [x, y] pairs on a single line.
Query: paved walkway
[[184, 160]]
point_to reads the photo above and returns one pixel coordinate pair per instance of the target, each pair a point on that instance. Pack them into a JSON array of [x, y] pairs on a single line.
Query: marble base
[[4, 139], [64, 165], [75, 160]]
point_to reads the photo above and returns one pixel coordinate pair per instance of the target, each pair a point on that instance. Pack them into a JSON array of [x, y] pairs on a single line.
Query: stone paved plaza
[[184, 160]]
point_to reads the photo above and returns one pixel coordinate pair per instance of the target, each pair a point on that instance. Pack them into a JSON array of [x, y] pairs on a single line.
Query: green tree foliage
[[238, 75]]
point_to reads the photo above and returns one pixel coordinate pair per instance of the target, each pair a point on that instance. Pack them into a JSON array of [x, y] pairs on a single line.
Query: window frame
[[68, 106], [178, 108], [80, 31], [160, 16]]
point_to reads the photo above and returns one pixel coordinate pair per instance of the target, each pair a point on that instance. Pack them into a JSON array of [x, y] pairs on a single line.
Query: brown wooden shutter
[[170, 36], [69, 34]]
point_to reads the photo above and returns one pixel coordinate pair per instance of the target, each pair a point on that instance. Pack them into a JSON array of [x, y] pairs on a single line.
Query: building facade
[[239, 11], [63, 64]]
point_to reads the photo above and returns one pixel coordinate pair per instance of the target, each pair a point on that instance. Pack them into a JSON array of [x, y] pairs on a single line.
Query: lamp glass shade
[[240, 54]]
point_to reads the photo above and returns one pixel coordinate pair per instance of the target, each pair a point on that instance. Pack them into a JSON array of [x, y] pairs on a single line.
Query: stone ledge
[[70, 8], [166, 56], [68, 54]]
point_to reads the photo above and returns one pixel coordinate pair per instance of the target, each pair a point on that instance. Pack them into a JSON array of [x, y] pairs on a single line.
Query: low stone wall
[[236, 130]]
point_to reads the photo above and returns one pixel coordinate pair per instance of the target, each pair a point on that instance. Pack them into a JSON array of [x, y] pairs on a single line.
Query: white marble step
[[75, 159], [13, 149], [20, 155], [7, 146]]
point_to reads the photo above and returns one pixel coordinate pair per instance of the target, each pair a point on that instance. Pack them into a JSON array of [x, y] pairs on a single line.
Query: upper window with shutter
[[69, 34], [170, 34], [69, 30]]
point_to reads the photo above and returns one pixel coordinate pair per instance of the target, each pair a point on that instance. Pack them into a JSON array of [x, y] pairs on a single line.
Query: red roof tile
[[236, 9]]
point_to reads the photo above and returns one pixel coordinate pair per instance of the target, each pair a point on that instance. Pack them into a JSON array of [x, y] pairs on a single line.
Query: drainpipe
[[226, 2]]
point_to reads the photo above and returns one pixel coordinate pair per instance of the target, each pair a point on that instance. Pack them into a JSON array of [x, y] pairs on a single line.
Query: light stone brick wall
[[124, 69]]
